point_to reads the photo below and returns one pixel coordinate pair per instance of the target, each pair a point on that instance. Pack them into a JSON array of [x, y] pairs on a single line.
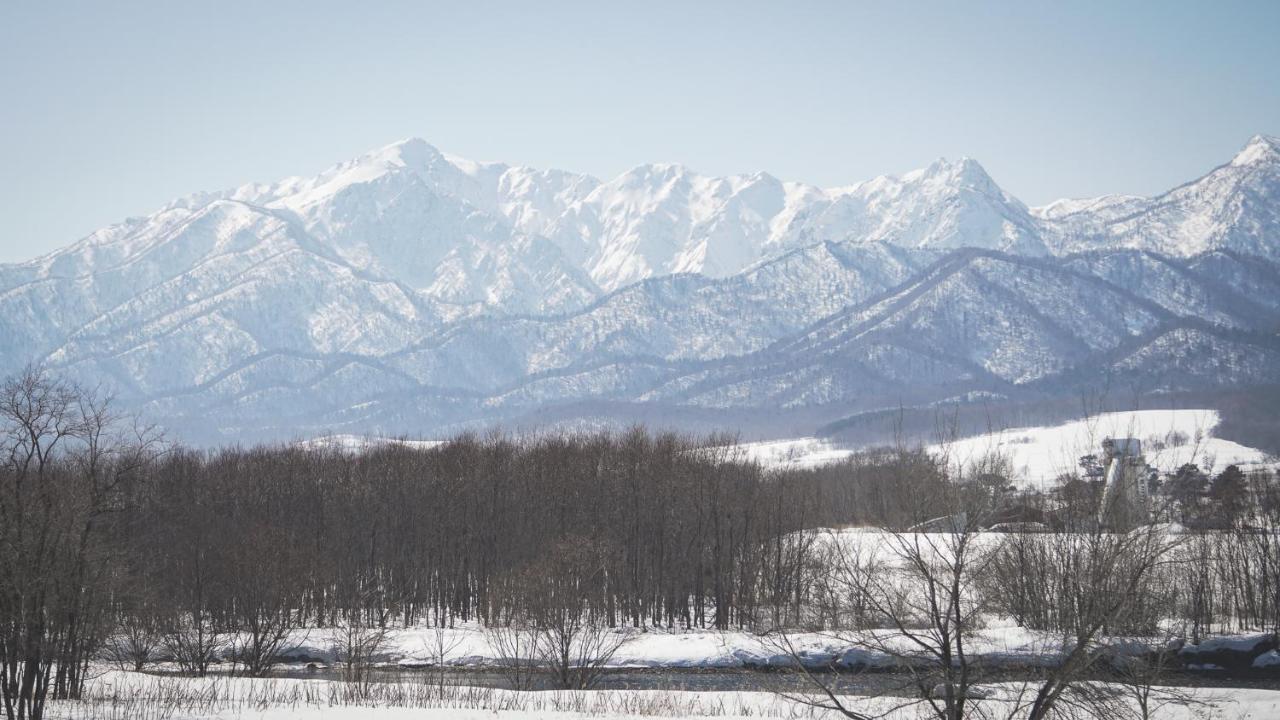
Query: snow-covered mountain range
[[410, 291]]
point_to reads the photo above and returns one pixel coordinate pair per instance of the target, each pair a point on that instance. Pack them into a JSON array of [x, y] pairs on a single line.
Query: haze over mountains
[[409, 291]]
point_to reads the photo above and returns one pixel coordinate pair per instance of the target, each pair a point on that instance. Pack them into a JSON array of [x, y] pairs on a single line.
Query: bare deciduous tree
[[68, 464]]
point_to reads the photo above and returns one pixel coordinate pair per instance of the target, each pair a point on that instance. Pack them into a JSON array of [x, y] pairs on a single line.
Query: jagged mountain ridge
[[410, 291], [1236, 206]]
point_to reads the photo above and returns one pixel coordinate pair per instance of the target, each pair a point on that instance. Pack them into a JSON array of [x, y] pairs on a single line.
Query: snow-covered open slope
[[794, 454], [1170, 439], [1038, 455]]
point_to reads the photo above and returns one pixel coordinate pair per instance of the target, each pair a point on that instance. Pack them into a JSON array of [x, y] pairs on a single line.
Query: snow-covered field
[[122, 695], [360, 443], [1170, 439], [657, 648], [796, 453], [115, 694]]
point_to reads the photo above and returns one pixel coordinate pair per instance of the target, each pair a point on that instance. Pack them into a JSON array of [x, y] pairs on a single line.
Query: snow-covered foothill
[[1170, 439]]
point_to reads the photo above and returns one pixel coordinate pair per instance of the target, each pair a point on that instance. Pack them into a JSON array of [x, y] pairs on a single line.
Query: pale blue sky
[[110, 109]]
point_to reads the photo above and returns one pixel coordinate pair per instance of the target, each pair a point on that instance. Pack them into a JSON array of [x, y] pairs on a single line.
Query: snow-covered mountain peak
[[760, 176], [409, 151], [654, 174], [971, 172], [1260, 149], [940, 176], [948, 204], [963, 174], [418, 155], [412, 158], [945, 167]]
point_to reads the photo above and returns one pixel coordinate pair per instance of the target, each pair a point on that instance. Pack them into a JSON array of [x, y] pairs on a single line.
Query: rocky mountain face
[[409, 291]]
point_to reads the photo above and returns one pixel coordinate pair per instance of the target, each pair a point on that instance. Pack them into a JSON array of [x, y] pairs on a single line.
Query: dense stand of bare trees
[[629, 530], [632, 530]]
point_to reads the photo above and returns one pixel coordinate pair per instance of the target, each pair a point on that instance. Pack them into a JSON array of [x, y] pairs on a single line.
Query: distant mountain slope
[[1235, 207], [412, 291]]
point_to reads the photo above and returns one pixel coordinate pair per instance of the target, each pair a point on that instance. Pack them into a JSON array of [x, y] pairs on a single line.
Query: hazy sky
[[110, 109]]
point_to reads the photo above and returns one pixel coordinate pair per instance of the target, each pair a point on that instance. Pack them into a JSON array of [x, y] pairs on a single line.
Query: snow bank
[[1269, 660], [1229, 652]]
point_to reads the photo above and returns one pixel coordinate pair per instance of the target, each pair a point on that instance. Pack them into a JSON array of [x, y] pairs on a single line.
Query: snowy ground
[[999, 641], [115, 694], [119, 695], [797, 453], [360, 443], [1170, 438], [467, 646]]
